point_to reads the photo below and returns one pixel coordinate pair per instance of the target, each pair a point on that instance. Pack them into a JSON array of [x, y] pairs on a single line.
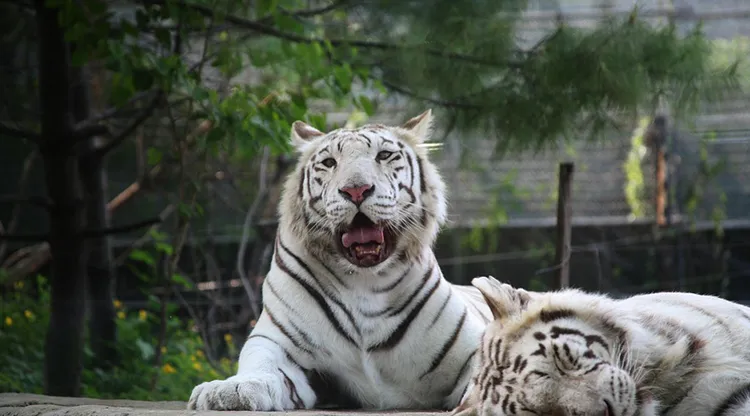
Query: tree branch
[[249, 217], [442, 103], [264, 29], [20, 4], [87, 131], [26, 238], [121, 229], [166, 212], [137, 121], [112, 112], [315, 12], [37, 201], [22, 184], [29, 259], [85, 234], [15, 133]]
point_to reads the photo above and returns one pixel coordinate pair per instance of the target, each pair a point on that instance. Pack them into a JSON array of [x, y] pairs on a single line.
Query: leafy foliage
[[184, 363], [635, 187], [569, 82]]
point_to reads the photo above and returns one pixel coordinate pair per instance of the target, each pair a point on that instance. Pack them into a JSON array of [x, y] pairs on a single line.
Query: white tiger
[[570, 353], [355, 302]]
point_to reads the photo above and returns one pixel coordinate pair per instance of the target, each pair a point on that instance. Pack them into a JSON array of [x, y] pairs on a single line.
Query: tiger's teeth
[[360, 250]]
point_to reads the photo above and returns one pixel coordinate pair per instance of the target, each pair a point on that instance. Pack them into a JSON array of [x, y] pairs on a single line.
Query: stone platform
[[20, 404]]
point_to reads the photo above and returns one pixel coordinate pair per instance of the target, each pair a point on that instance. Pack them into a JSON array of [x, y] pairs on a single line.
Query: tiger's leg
[[648, 405], [267, 378], [464, 385]]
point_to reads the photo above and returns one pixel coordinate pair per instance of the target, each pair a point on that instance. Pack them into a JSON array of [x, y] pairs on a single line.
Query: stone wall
[[19, 404]]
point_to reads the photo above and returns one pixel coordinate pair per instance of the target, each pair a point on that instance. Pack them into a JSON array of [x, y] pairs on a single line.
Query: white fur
[[656, 367], [381, 379]]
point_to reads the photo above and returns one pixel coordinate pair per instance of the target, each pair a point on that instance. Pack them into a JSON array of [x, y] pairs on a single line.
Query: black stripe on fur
[[739, 397]]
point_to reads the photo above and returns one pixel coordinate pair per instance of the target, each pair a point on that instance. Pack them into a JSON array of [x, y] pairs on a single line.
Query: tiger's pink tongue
[[362, 235]]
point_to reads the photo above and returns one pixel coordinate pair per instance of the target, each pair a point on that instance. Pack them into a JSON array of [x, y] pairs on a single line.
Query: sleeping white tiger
[[354, 303], [573, 353]]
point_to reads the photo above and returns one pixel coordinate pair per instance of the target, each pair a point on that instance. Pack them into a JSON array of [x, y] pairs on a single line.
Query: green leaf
[[142, 19], [182, 281], [142, 79], [147, 350], [142, 256], [79, 57], [287, 23], [164, 248], [164, 36], [264, 7], [158, 235], [216, 134], [128, 28], [367, 105], [154, 303], [121, 91], [154, 156], [343, 77]]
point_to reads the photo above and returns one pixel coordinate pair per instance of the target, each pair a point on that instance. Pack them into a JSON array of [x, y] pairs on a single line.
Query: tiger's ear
[[303, 133], [420, 126], [503, 299]]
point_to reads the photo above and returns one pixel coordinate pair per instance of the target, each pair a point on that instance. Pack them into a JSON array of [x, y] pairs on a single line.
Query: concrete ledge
[[21, 404]]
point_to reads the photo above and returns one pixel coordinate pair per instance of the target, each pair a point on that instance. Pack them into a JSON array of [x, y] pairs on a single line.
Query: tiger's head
[[360, 196], [542, 357]]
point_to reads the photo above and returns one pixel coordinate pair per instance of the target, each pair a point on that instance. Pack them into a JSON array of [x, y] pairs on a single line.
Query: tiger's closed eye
[[329, 162], [383, 155]]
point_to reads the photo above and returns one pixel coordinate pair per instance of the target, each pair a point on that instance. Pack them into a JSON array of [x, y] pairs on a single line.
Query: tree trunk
[[99, 270], [64, 341]]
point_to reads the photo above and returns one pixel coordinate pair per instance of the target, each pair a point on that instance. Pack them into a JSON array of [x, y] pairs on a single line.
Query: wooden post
[[564, 217], [656, 139]]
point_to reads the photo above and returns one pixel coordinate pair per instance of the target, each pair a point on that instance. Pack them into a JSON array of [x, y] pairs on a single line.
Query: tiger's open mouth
[[364, 243]]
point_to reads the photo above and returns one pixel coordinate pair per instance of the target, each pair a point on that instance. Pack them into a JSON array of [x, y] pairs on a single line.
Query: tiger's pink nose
[[357, 194]]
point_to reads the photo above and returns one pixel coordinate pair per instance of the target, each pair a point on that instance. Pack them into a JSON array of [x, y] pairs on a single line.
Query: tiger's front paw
[[255, 393]]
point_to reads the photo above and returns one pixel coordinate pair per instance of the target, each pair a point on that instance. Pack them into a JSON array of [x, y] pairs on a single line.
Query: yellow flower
[[163, 350], [19, 285], [142, 315], [228, 338], [167, 368], [121, 315], [28, 314], [192, 358], [117, 304], [197, 366], [199, 353], [8, 321]]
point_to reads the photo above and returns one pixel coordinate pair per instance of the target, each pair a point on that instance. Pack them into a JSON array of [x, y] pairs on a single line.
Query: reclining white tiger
[[354, 296], [573, 353]]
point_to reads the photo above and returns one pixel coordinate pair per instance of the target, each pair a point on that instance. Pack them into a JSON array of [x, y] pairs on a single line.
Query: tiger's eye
[[383, 155], [329, 162]]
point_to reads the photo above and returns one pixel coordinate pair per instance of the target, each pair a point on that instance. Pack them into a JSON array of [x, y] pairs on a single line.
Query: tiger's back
[[714, 368], [575, 353]]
